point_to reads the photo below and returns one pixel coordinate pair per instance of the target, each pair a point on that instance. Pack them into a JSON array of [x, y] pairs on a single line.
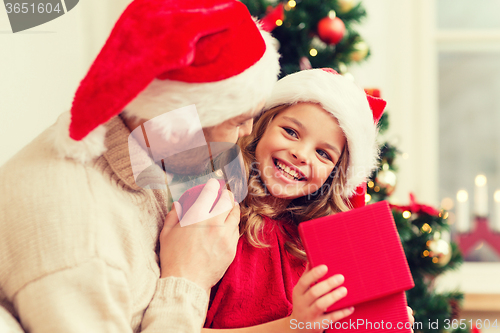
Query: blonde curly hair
[[325, 201]]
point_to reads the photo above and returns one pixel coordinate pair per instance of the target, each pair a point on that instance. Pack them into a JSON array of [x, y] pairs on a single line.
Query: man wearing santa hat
[[79, 248]]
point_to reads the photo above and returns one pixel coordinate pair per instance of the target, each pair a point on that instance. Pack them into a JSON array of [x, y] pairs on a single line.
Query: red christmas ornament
[[331, 31]]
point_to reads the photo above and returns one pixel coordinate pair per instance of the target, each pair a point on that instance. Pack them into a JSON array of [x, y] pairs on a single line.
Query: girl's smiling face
[[299, 150]]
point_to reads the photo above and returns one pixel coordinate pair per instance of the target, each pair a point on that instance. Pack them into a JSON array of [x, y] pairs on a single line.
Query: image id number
[[463, 324], [25, 8]]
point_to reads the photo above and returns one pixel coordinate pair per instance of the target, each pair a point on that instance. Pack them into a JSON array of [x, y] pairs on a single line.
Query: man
[[78, 235]]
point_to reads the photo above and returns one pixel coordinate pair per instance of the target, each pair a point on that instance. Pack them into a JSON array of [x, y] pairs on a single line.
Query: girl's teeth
[[289, 173]]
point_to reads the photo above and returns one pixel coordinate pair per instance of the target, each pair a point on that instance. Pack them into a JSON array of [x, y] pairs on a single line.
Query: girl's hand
[[410, 316], [311, 301]]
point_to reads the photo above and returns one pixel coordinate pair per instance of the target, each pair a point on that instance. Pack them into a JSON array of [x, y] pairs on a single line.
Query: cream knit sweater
[[78, 246]]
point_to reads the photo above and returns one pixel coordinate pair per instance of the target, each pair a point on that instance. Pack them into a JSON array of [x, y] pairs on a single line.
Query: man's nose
[[246, 128]]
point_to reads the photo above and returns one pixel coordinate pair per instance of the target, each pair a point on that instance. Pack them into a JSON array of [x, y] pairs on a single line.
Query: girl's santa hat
[[166, 54], [356, 113]]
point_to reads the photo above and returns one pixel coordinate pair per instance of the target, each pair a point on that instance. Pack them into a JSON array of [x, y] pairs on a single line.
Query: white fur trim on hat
[[346, 102], [82, 151], [216, 102]]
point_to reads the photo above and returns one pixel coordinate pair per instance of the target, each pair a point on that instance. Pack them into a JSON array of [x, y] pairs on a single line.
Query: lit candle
[[481, 196], [496, 224], [463, 218]]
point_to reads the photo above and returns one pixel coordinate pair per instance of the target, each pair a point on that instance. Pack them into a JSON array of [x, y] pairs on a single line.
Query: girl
[[305, 157]]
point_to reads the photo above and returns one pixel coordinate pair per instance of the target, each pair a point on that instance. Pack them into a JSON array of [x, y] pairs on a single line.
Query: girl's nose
[[299, 154]]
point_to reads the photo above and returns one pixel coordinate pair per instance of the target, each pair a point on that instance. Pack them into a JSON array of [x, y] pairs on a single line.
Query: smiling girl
[[306, 155]]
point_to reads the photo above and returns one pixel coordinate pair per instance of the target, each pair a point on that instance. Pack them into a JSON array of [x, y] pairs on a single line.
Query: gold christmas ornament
[[346, 5], [440, 250], [386, 179], [360, 51]]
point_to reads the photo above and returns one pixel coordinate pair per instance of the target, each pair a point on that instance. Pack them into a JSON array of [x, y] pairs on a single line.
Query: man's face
[[195, 160], [230, 130]]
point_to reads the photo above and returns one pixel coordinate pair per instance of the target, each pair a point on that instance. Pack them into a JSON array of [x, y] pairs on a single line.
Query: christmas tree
[[321, 33], [424, 233], [313, 33]]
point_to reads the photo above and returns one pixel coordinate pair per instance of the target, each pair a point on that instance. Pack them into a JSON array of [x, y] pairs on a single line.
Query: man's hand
[[201, 252]]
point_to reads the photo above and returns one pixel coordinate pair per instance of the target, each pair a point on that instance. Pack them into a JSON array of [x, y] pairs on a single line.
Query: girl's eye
[[290, 132], [323, 154]]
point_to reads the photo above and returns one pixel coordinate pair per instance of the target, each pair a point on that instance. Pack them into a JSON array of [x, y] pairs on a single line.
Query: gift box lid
[[364, 246]]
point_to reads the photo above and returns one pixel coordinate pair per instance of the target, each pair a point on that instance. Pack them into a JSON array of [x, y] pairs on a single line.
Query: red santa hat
[[356, 113], [166, 54]]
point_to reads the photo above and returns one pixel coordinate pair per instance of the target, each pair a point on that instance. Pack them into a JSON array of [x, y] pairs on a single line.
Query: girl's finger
[[338, 315], [309, 277], [322, 288], [410, 315], [329, 299]]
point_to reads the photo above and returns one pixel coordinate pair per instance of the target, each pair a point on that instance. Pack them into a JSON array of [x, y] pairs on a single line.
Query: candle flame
[[480, 180], [462, 196]]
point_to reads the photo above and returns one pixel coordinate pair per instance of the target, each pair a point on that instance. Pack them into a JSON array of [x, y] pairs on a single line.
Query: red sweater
[[257, 287]]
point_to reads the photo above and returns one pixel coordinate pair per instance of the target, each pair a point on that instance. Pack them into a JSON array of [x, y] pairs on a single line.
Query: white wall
[[41, 68], [403, 65]]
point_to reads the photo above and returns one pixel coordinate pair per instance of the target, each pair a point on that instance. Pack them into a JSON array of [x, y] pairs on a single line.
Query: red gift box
[[189, 197], [364, 246]]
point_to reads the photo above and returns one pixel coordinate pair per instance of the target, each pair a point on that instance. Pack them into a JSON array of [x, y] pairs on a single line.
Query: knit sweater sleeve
[[94, 297], [179, 305]]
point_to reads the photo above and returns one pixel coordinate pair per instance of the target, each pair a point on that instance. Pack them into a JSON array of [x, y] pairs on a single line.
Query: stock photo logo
[[26, 14], [170, 151]]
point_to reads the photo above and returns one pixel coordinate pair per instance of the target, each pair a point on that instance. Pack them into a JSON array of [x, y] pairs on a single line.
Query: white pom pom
[[81, 151]]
